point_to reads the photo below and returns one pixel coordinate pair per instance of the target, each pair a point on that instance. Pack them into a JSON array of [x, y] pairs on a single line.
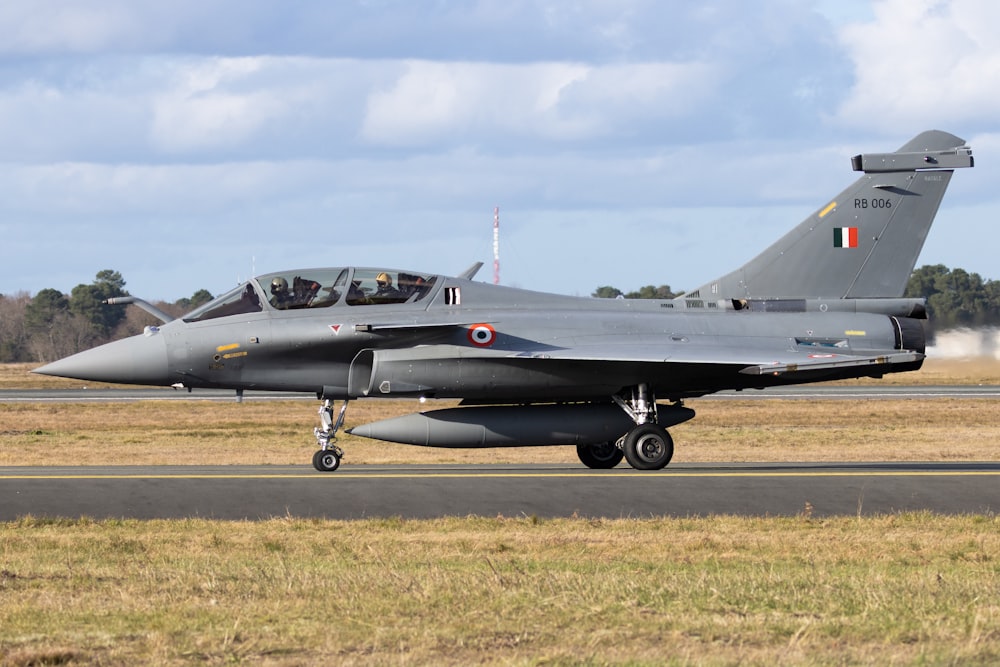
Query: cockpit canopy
[[317, 288]]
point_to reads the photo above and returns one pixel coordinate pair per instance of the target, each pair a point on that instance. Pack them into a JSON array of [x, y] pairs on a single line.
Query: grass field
[[901, 589], [905, 589], [280, 433]]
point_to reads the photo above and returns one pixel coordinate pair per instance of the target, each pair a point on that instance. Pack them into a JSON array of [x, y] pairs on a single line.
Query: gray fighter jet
[[607, 376]]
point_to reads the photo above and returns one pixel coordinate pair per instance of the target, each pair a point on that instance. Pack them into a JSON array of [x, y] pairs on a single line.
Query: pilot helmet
[[383, 279], [279, 286]]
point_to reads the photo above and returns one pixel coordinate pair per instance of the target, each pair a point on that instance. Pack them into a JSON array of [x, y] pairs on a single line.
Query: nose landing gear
[[327, 458]]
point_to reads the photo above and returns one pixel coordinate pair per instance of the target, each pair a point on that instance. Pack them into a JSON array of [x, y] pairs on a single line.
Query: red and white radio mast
[[496, 245]]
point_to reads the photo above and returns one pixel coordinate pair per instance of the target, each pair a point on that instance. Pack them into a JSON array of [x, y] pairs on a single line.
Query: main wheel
[[602, 456], [648, 447], [326, 460]]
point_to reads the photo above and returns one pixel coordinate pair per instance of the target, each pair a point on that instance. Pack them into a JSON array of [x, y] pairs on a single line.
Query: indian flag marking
[[845, 237], [829, 207]]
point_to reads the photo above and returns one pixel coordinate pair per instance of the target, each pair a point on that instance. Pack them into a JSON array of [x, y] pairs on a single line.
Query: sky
[[192, 144]]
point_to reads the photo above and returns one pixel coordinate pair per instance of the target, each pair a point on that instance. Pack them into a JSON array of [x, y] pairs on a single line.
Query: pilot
[[355, 295], [280, 296], [385, 292]]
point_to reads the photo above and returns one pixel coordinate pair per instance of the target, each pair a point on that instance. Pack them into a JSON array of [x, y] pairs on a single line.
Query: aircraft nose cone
[[140, 359]]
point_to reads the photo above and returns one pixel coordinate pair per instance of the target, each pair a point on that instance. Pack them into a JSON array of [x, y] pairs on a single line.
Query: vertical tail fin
[[863, 243]]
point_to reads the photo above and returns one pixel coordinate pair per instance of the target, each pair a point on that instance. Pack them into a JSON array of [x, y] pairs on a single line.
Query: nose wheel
[[327, 460]]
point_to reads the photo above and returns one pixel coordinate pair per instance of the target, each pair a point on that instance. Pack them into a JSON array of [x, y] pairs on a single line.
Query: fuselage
[[456, 338]]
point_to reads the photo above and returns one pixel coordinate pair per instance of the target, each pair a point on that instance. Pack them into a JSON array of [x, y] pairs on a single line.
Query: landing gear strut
[[327, 458]]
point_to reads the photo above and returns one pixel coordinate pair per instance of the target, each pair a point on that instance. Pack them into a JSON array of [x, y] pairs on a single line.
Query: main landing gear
[[646, 446], [602, 456], [327, 457]]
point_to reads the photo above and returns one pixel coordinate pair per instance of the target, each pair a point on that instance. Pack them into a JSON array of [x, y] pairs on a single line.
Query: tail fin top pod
[[863, 243]]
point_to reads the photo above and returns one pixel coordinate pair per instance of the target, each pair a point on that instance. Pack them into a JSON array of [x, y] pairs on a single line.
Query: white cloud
[[924, 64], [434, 101], [44, 25], [431, 101], [162, 107], [495, 30], [205, 108]]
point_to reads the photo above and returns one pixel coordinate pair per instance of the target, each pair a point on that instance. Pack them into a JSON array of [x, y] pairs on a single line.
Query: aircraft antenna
[[496, 245]]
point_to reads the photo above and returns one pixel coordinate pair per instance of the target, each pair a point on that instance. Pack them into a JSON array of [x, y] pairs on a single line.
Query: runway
[[356, 492]]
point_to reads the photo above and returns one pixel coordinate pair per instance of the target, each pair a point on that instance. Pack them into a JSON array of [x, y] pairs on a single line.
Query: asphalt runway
[[356, 492]]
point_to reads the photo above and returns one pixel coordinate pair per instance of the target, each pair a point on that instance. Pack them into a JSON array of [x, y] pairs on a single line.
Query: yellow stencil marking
[[829, 207], [223, 348], [852, 332]]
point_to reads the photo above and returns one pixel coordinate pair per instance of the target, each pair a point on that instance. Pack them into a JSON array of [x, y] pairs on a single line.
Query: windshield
[[238, 301]]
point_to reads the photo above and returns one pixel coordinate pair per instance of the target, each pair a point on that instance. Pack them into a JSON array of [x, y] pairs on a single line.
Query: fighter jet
[[607, 376]]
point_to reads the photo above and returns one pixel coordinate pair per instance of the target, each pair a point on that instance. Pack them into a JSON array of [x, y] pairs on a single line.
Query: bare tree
[[13, 331], [65, 334]]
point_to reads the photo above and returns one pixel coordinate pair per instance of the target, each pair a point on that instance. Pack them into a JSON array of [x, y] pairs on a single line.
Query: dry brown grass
[[903, 589], [968, 371], [212, 433]]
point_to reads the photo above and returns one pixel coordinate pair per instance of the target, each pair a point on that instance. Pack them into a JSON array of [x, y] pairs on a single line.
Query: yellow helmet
[[383, 278]]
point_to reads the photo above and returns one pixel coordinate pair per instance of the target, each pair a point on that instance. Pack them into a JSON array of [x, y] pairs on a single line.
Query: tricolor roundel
[[482, 335], [845, 237]]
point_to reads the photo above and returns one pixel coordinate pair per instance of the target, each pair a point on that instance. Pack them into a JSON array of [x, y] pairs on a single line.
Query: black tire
[[602, 456], [326, 460], [648, 447]]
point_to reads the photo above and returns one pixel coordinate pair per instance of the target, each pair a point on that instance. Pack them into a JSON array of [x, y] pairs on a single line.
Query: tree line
[[955, 298], [51, 325]]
